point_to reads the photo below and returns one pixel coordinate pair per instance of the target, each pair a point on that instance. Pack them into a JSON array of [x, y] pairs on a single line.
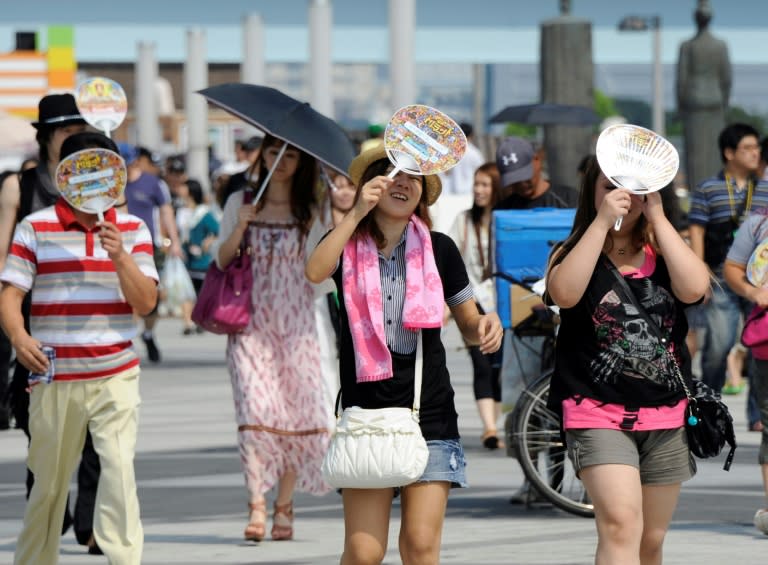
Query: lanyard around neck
[[731, 201]]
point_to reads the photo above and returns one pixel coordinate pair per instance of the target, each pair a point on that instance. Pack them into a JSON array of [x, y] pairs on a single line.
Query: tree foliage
[[604, 105]]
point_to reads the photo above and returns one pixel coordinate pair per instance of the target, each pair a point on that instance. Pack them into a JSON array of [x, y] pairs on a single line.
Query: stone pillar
[[147, 127], [320, 66], [196, 108], [252, 67], [479, 105], [566, 78], [402, 73]]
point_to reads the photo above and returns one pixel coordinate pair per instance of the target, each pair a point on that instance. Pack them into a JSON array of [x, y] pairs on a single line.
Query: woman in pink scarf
[[393, 276]]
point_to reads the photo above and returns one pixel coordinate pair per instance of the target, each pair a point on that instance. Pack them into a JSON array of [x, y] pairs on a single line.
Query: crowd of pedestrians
[[340, 263]]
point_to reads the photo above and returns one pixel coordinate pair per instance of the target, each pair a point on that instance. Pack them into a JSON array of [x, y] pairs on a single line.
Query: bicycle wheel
[[542, 454]]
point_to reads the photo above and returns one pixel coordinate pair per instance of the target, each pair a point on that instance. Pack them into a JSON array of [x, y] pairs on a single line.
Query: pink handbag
[[755, 334], [224, 303]]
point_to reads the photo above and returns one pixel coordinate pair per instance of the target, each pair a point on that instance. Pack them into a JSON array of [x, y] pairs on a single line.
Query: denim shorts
[[446, 463]]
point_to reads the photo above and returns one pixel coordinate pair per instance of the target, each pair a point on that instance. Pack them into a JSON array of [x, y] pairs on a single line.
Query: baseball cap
[[175, 164], [128, 152], [514, 158]]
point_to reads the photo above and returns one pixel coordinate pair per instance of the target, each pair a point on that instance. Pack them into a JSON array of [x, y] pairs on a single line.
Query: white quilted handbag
[[378, 447]]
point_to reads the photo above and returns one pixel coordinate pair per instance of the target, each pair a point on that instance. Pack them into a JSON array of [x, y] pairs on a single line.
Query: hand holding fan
[[92, 180], [421, 140], [636, 158]]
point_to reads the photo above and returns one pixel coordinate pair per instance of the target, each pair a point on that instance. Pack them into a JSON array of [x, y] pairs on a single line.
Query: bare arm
[[325, 257], [688, 274], [27, 348], [735, 275], [9, 205], [567, 282], [140, 291], [483, 330], [228, 249], [168, 222]]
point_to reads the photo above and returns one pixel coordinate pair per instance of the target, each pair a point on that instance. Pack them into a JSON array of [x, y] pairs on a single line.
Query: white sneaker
[[761, 520]]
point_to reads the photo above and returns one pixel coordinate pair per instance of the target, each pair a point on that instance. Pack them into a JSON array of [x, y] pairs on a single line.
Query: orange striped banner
[[23, 81]]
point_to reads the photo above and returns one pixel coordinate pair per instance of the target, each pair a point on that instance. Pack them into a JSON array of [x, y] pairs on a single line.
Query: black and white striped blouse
[[392, 272]]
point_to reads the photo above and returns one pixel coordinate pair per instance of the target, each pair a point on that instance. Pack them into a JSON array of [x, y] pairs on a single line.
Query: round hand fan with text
[[92, 180], [421, 140]]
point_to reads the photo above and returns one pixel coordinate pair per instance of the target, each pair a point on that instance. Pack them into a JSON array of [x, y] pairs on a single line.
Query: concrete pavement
[[194, 505]]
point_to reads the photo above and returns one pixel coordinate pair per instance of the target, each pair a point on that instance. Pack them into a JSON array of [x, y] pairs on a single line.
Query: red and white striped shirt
[[78, 307]]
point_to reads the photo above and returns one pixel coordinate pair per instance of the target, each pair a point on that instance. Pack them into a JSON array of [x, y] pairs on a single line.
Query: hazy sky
[[462, 31], [727, 13]]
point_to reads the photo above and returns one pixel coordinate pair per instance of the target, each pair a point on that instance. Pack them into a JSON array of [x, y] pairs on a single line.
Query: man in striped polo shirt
[[718, 207], [86, 278]]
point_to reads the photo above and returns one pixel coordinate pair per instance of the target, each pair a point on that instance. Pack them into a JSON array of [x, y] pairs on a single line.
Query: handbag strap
[[246, 241], [418, 377], [652, 326], [418, 371]]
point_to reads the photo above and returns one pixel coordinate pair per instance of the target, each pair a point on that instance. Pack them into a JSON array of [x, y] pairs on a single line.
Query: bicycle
[[532, 430]]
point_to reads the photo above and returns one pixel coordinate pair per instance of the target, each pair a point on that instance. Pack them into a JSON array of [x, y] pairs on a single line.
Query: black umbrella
[[547, 114], [286, 118]]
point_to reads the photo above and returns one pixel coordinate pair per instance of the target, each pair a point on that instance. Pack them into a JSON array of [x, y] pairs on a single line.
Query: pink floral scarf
[[361, 283]]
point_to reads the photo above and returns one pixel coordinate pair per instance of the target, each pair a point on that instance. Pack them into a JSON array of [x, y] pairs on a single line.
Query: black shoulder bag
[[708, 423]]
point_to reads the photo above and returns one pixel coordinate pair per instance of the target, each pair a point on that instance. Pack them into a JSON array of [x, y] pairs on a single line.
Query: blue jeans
[[721, 317], [721, 320]]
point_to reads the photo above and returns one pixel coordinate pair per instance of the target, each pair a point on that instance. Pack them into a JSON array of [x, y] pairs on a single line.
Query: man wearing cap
[[33, 190], [149, 161], [145, 193], [523, 188], [523, 185]]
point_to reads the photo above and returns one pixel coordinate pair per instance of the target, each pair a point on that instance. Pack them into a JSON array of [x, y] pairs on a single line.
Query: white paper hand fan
[[636, 158]]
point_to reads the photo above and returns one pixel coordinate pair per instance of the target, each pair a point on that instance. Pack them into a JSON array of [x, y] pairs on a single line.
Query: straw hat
[[365, 159]]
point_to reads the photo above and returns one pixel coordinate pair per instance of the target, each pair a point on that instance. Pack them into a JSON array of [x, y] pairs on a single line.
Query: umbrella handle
[[327, 179], [617, 225], [265, 182]]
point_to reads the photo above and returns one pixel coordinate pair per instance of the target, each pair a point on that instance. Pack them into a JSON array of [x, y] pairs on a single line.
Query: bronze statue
[[703, 90]]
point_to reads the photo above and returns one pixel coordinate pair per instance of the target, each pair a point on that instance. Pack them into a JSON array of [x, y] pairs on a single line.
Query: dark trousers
[[486, 374]]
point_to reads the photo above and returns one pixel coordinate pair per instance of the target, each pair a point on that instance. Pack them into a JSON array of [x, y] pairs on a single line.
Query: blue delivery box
[[522, 242]]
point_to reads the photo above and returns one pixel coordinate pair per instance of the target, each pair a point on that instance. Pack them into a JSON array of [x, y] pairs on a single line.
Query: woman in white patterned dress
[[274, 364]]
